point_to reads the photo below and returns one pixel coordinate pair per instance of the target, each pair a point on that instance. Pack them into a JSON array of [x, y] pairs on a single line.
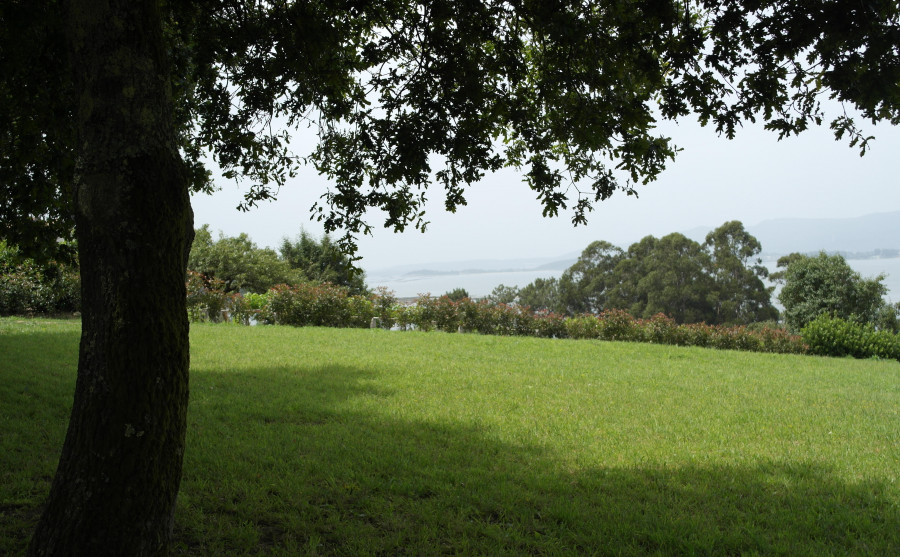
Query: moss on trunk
[[115, 489]]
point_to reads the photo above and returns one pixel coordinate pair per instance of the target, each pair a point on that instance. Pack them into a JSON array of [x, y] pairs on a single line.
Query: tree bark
[[115, 488]]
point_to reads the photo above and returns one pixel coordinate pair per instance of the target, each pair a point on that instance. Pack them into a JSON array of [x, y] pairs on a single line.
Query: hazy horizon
[[753, 178]]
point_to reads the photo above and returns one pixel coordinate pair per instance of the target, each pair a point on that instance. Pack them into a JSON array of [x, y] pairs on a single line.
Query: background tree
[[542, 294], [322, 261], [457, 294], [675, 281], [583, 287], [239, 262], [137, 91], [739, 296], [717, 282], [827, 284], [502, 294]]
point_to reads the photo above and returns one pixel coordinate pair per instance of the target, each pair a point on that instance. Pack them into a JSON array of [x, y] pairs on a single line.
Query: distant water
[[891, 267], [479, 285]]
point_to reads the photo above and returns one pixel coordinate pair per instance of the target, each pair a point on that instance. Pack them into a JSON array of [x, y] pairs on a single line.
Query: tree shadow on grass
[[304, 469], [37, 379]]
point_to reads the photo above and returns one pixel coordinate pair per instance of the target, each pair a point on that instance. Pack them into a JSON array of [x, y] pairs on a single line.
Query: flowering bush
[[472, 315], [548, 324], [617, 324], [437, 313], [305, 304], [779, 340], [660, 329]]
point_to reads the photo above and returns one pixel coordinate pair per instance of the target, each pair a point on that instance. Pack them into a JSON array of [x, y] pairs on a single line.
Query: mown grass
[[362, 442]]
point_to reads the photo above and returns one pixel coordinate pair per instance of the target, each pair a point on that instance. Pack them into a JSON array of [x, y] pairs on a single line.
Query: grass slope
[[355, 442]]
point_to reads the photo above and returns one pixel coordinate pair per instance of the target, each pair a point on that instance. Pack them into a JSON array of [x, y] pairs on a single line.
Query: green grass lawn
[[360, 442]]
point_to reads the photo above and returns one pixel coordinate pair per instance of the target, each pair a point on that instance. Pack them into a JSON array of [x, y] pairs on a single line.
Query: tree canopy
[[717, 282], [584, 287], [321, 260], [740, 295], [238, 262], [826, 284], [403, 94]]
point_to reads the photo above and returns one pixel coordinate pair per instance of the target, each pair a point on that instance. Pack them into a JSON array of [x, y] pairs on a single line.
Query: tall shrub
[[831, 336]]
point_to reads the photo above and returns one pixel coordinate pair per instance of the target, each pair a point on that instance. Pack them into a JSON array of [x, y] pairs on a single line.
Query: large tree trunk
[[115, 489]]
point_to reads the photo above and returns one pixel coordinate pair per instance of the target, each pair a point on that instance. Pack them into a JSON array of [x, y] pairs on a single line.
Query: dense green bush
[[831, 336], [28, 288], [583, 326], [437, 313], [660, 329], [548, 324], [826, 284], [616, 324], [307, 304], [238, 262], [323, 305]]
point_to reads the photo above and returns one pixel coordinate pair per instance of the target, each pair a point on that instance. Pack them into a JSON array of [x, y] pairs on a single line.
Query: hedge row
[[324, 305], [331, 306], [484, 317]]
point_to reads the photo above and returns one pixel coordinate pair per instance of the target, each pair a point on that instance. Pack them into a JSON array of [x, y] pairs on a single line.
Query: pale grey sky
[[751, 178]]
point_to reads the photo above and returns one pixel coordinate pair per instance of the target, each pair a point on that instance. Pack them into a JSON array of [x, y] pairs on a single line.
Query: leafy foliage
[[542, 294], [325, 305], [717, 282], [584, 287], [826, 284], [739, 295], [831, 336], [238, 262], [502, 294], [28, 287], [402, 94], [242, 266], [457, 294], [322, 261]]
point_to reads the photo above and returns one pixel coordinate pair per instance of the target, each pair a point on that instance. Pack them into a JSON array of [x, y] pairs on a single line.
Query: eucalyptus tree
[[542, 294], [663, 275], [584, 287], [740, 296], [107, 110]]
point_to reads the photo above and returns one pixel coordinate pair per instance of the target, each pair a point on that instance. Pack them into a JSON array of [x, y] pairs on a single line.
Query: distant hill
[[866, 234], [860, 235]]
